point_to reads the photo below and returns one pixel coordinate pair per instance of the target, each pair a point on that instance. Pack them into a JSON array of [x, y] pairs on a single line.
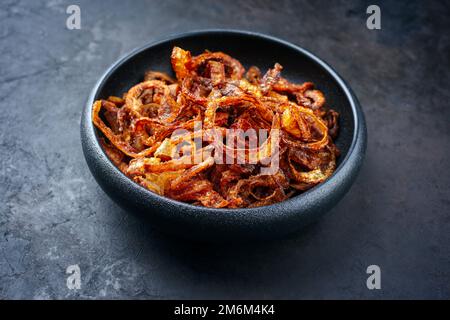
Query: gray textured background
[[53, 214]]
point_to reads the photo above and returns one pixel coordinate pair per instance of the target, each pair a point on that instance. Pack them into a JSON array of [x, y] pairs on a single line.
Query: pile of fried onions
[[152, 133]]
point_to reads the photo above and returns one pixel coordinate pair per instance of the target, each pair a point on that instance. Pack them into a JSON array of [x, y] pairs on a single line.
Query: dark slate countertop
[[396, 216]]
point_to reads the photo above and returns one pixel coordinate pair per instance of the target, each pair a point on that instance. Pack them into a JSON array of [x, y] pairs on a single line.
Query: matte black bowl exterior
[[189, 221]]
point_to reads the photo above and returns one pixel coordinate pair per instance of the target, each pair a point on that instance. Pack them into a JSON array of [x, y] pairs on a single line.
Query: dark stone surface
[[53, 214]]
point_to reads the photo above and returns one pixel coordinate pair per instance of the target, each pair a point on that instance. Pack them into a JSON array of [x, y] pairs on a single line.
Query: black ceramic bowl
[[230, 224]]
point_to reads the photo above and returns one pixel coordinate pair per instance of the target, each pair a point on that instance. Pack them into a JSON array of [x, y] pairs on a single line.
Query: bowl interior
[[249, 50]]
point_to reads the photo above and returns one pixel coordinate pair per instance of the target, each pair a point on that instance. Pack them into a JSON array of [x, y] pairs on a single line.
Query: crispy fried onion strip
[[233, 69], [298, 121], [307, 179], [116, 139], [259, 190], [189, 136], [154, 93]]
